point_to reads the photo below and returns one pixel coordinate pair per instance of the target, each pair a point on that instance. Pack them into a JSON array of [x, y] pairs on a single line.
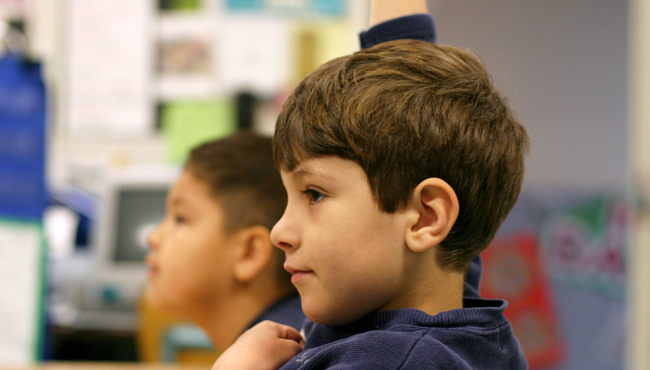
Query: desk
[[104, 366]]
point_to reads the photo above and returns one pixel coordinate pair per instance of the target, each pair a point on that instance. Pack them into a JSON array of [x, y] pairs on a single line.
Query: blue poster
[[22, 139]]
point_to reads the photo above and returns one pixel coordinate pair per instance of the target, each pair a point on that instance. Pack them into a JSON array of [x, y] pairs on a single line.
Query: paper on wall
[[254, 54], [108, 67], [20, 292], [318, 42]]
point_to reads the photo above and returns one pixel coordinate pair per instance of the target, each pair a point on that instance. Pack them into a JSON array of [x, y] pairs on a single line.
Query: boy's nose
[[153, 239], [282, 235]]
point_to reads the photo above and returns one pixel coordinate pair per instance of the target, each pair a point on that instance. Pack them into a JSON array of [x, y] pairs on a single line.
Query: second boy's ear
[[435, 209], [254, 253]]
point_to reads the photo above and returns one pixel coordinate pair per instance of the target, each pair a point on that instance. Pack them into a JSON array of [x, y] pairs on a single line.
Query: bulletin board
[[127, 64]]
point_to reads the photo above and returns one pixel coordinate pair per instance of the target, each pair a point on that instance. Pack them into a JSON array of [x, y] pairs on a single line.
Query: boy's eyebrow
[[176, 200], [304, 173], [301, 173]]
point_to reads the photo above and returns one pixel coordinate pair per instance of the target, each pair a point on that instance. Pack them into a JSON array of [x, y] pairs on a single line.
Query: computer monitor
[[100, 286], [131, 205], [138, 211]]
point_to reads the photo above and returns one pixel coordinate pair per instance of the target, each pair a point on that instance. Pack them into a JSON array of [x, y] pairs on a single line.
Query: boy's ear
[[434, 207], [254, 252]]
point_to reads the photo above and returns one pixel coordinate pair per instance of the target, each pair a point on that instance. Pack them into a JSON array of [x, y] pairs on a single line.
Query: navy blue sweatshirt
[[476, 337]]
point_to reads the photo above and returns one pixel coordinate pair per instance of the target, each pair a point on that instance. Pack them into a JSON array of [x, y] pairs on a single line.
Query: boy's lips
[[297, 274], [153, 267], [152, 272]]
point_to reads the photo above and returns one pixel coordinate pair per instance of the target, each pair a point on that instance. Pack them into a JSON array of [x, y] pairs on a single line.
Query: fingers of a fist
[[286, 332], [267, 345], [280, 340]]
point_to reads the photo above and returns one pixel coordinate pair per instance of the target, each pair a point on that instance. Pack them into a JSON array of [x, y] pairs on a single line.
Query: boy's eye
[[313, 196], [179, 219]]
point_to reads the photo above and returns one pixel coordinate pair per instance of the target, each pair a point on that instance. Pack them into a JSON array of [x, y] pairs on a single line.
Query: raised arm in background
[[383, 10], [397, 20]]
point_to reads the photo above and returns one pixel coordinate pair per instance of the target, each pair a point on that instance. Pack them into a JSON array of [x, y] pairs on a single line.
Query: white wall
[[563, 64], [638, 357]]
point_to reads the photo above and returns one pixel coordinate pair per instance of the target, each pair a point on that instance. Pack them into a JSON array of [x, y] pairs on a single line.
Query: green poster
[[187, 124]]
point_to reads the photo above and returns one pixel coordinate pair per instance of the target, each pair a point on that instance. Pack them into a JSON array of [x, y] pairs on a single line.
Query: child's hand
[[267, 345]]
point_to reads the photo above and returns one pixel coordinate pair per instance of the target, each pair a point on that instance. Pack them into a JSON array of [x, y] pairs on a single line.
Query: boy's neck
[[233, 317], [446, 294], [432, 290]]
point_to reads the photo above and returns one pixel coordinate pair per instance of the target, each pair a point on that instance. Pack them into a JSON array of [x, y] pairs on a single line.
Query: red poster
[[513, 270]]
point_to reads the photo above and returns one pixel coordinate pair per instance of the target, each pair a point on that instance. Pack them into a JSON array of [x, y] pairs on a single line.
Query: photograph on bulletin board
[[184, 56]]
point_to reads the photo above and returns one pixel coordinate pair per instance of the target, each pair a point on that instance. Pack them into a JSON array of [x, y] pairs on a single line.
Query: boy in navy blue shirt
[[400, 163]]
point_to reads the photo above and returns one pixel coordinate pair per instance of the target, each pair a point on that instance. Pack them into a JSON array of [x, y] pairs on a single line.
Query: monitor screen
[[139, 210]]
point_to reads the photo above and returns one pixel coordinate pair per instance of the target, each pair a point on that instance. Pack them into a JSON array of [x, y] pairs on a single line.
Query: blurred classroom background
[[100, 101]]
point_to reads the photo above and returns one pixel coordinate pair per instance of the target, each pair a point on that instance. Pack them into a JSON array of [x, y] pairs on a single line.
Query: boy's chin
[[332, 318], [150, 297], [153, 299]]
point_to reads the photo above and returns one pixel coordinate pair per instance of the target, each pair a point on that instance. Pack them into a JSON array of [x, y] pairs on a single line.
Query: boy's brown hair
[[241, 175], [406, 111]]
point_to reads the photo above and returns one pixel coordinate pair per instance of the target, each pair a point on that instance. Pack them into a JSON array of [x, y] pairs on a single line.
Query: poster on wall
[[513, 270], [584, 246]]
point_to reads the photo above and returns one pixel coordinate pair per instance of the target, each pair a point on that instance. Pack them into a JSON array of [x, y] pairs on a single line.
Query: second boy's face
[[347, 258], [191, 256]]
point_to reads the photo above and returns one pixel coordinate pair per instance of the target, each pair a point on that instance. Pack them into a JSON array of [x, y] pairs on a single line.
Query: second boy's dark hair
[[240, 173], [406, 111]]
